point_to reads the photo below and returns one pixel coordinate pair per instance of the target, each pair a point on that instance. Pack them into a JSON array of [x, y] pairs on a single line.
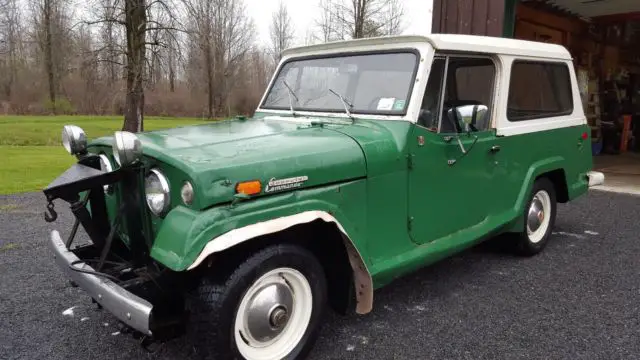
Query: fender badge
[[285, 184]]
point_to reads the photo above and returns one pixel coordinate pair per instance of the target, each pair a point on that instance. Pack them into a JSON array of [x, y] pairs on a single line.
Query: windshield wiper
[[345, 103], [291, 94]]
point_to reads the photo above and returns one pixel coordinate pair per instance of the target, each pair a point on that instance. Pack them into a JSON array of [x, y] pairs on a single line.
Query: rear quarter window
[[539, 89]]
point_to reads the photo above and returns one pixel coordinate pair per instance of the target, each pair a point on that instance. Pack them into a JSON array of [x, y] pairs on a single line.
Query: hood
[[281, 154]]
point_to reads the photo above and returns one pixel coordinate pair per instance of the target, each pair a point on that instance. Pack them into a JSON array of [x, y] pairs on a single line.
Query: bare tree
[[392, 18], [281, 31], [130, 57], [51, 33], [111, 49], [136, 29], [10, 45], [359, 18], [132, 16], [224, 34], [310, 37], [47, 10], [327, 22]]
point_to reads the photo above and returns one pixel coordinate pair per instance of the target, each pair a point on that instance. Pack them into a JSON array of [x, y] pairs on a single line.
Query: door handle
[[495, 148]]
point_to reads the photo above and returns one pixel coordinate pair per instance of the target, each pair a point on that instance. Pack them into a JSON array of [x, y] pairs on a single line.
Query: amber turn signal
[[249, 187]]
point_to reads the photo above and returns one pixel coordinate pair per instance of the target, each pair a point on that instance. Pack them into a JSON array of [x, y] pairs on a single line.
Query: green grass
[[31, 168], [31, 152], [8, 208], [8, 246], [46, 130]]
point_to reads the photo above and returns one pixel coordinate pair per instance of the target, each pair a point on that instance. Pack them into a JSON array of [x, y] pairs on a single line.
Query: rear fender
[[535, 170]]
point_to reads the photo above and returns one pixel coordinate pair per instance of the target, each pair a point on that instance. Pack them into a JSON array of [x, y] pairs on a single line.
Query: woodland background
[[197, 58]]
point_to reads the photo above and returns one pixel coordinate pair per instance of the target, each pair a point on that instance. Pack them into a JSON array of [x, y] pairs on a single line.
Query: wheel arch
[[552, 168], [323, 235], [558, 178], [553, 165]]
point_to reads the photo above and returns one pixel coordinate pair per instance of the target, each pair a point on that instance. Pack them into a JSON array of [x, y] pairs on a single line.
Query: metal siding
[[465, 16], [451, 16], [480, 11], [477, 17], [436, 18], [495, 21], [588, 9]]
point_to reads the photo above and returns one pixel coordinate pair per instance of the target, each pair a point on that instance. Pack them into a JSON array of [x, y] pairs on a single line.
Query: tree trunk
[[172, 72], [136, 24], [113, 75], [48, 53], [210, 80]]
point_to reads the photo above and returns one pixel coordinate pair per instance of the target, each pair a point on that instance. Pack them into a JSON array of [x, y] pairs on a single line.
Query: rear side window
[[539, 90]]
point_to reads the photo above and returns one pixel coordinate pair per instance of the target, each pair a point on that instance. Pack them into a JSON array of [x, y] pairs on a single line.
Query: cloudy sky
[[417, 19]]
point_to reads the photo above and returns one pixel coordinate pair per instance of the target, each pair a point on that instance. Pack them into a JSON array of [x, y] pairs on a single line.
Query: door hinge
[[410, 161], [410, 223]]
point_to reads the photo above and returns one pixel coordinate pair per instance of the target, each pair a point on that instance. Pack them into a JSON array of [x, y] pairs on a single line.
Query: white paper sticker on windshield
[[386, 103]]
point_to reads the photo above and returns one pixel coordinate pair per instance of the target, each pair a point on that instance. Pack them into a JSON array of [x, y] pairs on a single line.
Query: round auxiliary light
[[156, 188], [127, 148], [105, 166], [74, 140], [186, 193]]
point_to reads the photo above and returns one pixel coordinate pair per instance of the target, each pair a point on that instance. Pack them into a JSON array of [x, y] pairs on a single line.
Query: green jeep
[[365, 160]]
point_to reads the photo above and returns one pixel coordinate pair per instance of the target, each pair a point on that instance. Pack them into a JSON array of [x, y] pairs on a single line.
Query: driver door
[[451, 183]]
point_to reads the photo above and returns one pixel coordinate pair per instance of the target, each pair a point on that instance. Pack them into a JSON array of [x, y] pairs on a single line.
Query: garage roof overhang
[[598, 10]]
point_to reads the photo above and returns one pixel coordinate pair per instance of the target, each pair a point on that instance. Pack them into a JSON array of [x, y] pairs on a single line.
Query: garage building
[[603, 37]]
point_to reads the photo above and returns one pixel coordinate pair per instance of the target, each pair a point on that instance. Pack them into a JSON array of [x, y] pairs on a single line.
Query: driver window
[[467, 91], [428, 116]]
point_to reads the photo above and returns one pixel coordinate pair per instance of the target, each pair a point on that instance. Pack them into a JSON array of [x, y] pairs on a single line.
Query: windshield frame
[[398, 50]]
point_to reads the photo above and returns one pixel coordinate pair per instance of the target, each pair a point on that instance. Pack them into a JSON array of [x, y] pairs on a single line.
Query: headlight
[[105, 165], [156, 189], [74, 140], [127, 148], [187, 193]]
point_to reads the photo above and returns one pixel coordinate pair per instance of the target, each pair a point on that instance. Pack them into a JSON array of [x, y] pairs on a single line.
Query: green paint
[[482, 195], [406, 196], [216, 156], [360, 174]]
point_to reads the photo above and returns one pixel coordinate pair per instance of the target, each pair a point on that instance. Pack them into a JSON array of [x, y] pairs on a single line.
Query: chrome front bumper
[[127, 307], [595, 178]]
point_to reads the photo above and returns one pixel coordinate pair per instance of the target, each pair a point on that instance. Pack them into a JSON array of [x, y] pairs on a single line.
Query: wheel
[[539, 218], [270, 307]]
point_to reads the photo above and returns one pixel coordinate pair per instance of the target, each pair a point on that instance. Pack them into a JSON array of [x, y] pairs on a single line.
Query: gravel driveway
[[580, 299]]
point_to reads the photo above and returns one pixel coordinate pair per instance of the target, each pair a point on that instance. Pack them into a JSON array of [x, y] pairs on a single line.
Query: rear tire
[[270, 307], [539, 219]]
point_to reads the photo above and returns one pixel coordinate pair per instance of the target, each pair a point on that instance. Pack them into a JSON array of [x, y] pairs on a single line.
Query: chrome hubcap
[[268, 312], [279, 317], [273, 315], [538, 216]]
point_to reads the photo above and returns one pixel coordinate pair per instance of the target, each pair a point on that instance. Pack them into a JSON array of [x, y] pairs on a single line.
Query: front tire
[[539, 219], [270, 307]]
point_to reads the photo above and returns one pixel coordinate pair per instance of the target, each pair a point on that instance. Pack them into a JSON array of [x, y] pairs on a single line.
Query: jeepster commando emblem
[[285, 184]]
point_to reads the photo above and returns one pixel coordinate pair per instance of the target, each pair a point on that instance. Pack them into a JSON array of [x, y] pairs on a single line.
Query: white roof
[[446, 42]]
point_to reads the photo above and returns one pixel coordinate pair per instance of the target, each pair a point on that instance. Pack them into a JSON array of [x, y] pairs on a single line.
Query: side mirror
[[470, 116], [467, 118]]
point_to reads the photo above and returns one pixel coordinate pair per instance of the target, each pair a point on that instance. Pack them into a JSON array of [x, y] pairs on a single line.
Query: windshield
[[377, 83]]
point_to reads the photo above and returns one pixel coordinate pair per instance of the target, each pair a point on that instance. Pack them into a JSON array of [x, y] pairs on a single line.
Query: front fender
[[185, 233]]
